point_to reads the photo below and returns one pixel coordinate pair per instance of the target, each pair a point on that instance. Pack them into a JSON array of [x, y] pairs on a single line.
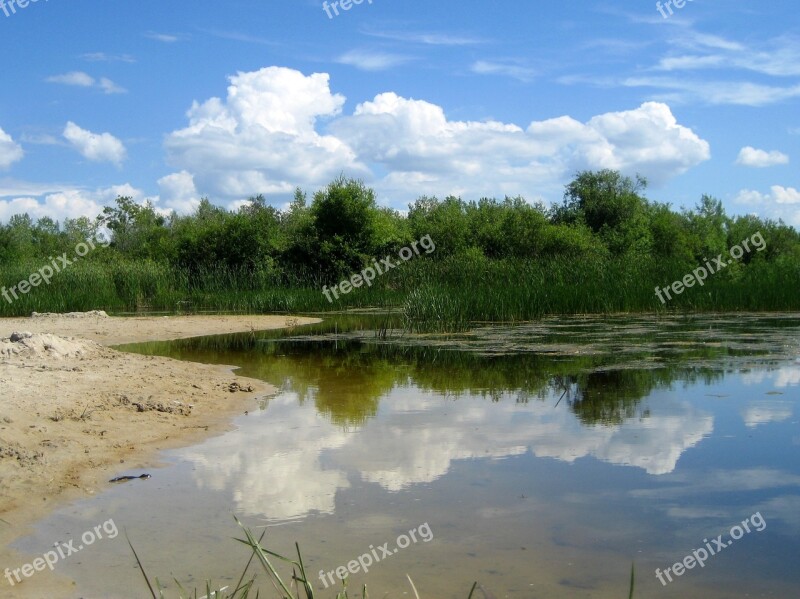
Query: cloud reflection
[[290, 461]]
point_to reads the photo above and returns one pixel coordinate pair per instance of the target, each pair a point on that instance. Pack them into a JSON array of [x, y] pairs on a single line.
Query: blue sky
[[174, 101]]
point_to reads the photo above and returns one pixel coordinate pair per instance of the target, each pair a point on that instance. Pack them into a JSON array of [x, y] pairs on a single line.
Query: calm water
[[544, 459]]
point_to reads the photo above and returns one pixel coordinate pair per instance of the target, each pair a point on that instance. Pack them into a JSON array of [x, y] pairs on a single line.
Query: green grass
[[447, 294]]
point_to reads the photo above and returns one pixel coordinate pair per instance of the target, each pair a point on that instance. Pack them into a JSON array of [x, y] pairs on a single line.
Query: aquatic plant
[[285, 590]]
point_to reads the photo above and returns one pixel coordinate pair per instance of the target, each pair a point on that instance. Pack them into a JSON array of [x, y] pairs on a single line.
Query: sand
[[75, 413]]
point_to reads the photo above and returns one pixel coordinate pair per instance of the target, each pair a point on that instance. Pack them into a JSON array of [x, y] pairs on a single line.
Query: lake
[[540, 459]]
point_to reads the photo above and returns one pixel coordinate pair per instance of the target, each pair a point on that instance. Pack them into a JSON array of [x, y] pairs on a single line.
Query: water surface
[[544, 458]]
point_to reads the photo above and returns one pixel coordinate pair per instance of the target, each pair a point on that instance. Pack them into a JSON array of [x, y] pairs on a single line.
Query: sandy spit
[[75, 413]]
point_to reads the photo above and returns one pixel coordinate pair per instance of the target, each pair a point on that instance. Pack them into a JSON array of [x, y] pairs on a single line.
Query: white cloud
[[61, 204], [10, 151], [741, 93], [109, 87], [701, 64], [778, 195], [78, 78], [178, 192], [486, 67], [103, 57], [780, 202], [367, 60], [785, 195], [97, 147], [167, 38], [689, 62], [750, 156], [432, 39], [263, 138], [44, 139], [415, 141], [81, 79], [778, 58]]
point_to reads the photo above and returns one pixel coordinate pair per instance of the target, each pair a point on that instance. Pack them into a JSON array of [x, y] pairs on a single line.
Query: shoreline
[[75, 413]]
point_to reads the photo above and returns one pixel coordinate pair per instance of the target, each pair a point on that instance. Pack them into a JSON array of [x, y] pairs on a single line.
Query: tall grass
[[446, 294], [451, 295]]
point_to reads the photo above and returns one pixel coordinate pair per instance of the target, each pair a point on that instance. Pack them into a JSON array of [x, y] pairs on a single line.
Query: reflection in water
[[546, 457], [274, 463], [401, 416], [274, 468]]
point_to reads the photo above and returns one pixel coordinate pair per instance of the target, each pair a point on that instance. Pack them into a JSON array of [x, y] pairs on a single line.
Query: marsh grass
[[443, 295]]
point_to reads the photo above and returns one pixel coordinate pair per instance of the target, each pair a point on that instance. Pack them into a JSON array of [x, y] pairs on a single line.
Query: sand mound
[[44, 345], [90, 314]]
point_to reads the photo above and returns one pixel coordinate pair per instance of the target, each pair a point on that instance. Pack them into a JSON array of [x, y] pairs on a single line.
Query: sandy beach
[[75, 413]]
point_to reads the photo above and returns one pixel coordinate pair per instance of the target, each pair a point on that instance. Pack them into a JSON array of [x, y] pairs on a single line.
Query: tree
[[344, 222], [446, 221], [610, 205], [137, 230], [708, 225]]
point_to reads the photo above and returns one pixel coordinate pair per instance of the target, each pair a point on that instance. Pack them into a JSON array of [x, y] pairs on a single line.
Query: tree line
[[603, 216]]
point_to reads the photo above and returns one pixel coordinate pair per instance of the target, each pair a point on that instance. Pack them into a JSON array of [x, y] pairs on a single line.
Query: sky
[[176, 101]]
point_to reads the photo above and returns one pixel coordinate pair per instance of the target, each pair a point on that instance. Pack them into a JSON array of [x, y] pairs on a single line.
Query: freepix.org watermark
[[337, 4], [9, 7], [46, 272], [368, 274], [699, 556], [699, 275], [365, 561], [667, 7], [62, 551]]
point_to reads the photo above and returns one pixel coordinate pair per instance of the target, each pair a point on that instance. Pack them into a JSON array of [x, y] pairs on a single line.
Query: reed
[[443, 295]]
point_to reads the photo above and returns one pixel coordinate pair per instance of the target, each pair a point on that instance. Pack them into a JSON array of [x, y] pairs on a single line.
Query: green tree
[[344, 218], [610, 205], [446, 221], [137, 230]]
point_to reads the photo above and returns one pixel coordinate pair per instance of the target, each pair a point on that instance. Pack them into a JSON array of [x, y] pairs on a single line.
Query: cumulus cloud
[[178, 192], [780, 202], [785, 195], [61, 204], [97, 147], [81, 79], [414, 139], [10, 151], [750, 156], [778, 194], [263, 138]]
